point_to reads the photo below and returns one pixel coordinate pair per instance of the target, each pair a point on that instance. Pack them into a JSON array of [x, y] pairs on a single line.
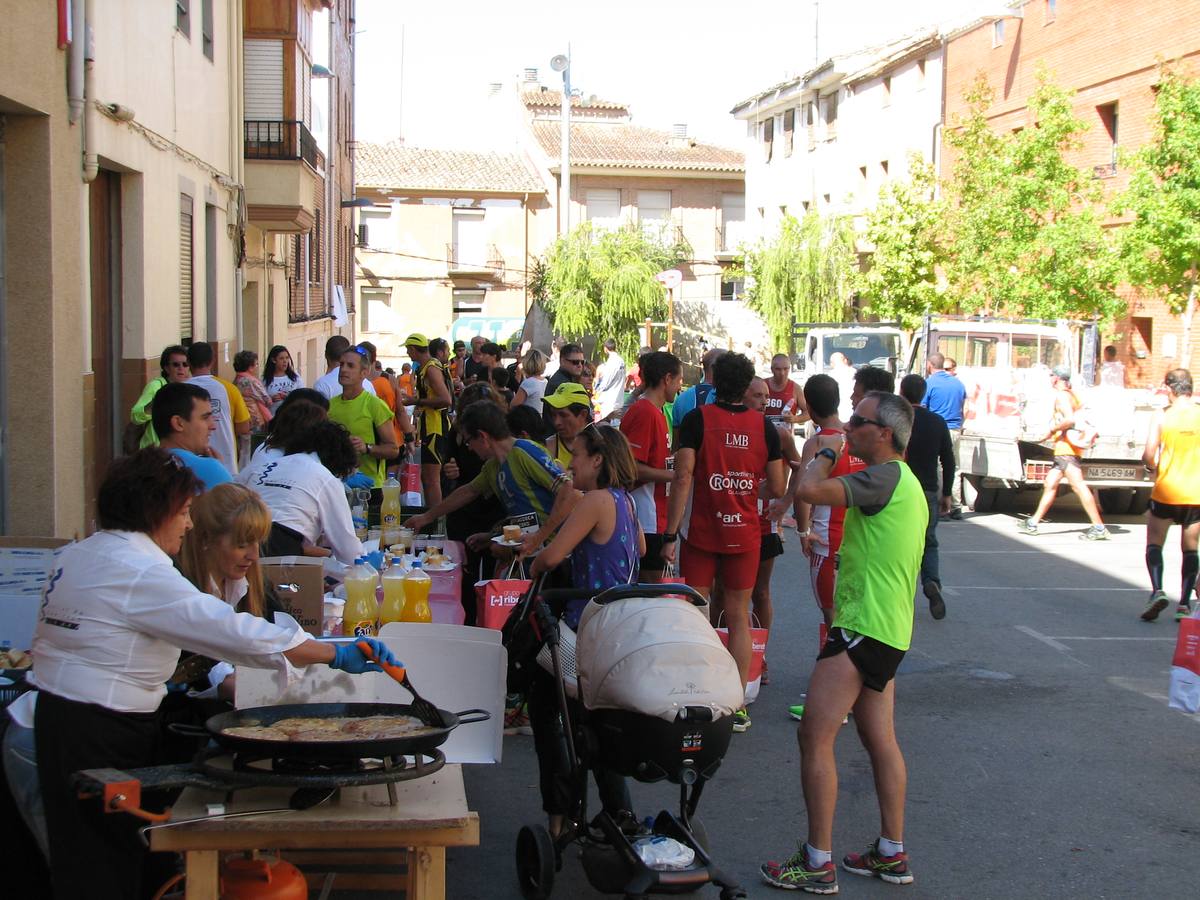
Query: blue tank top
[[601, 566]]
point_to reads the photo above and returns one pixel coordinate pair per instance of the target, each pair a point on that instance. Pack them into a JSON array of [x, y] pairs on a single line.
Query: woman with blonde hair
[[533, 387]]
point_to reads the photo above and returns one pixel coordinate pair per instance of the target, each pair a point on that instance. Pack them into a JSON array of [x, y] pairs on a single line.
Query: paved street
[[1043, 760]]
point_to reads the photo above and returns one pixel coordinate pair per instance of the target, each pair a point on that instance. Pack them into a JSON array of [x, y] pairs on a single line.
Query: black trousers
[[95, 854]]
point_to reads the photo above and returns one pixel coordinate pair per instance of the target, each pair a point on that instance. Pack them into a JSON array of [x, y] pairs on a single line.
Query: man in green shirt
[[878, 564], [365, 416]]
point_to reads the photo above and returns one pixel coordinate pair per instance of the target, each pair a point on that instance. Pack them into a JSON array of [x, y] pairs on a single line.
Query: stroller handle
[[643, 591]]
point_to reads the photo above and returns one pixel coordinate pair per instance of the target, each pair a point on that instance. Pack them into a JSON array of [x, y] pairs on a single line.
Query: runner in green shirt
[[365, 416], [879, 561]]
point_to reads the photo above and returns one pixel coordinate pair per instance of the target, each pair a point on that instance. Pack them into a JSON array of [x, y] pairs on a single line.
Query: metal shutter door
[[263, 91], [185, 269]]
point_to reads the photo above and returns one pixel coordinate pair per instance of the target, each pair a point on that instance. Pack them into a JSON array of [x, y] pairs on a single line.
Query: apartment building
[[297, 128], [829, 139], [1113, 80], [445, 248]]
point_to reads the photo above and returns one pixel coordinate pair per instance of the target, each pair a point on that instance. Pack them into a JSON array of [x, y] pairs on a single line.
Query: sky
[[423, 70]]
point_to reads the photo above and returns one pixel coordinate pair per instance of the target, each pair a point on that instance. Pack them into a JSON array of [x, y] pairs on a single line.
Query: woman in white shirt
[[279, 378], [115, 616], [533, 388], [302, 409], [305, 495]]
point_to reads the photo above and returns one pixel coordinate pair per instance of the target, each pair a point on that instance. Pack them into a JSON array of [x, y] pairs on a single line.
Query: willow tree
[[1160, 248], [807, 273], [601, 284]]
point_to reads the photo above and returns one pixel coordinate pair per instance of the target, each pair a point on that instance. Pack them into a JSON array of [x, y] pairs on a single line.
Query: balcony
[[474, 262], [283, 175], [730, 237]]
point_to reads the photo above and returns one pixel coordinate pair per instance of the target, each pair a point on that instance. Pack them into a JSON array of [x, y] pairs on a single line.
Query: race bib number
[[527, 522]]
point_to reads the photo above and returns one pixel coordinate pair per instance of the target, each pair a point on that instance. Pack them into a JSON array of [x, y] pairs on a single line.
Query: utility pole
[[562, 63]]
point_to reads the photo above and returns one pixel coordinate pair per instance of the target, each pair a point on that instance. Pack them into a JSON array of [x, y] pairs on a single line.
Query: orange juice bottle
[[360, 618], [393, 594], [416, 596]]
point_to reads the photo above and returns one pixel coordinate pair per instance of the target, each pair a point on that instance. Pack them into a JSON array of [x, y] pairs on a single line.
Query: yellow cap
[[416, 340], [567, 393]]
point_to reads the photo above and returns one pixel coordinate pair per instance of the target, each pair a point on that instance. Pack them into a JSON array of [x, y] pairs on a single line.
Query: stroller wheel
[[535, 862]]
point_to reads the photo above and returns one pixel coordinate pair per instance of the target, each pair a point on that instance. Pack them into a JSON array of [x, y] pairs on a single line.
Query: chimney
[[531, 76], [679, 130]]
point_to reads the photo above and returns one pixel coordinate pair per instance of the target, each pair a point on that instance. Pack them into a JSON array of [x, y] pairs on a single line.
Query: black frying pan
[[333, 750]]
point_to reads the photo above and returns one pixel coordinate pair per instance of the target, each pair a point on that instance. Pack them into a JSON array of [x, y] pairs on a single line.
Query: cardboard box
[[25, 564], [299, 583]]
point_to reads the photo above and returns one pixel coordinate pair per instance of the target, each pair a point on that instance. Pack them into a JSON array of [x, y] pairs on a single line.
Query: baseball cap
[[1063, 372], [460, 345], [416, 340], [567, 393]]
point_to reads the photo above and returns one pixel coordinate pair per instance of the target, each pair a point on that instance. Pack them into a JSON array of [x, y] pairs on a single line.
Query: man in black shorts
[[1173, 454], [879, 560], [432, 401], [772, 511]]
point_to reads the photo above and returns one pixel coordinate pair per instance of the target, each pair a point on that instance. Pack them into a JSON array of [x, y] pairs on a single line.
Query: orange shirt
[[1063, 447], [1178, 479], [383, 389], [406, 383]]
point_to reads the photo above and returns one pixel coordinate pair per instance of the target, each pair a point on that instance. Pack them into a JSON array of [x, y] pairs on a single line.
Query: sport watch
[[827, 453], [669, 537]]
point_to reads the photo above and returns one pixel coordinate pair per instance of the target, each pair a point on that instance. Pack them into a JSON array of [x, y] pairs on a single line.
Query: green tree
[[807, 273], [1026, 228], [1160, 248], [601, 284], [907, 231]]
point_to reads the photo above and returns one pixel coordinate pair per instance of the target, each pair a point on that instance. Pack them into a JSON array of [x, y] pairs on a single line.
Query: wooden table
[[357, 828]]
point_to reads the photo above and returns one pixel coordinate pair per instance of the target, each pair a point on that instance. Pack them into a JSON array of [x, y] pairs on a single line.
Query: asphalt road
[[1043, 760]]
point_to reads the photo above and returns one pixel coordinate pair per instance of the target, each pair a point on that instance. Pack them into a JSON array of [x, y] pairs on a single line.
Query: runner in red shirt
[[770, 512], [645, 426], [784, 397], [722, 453]]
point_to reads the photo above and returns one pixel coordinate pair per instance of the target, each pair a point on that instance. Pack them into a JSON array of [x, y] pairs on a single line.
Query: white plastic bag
[[659, 852]]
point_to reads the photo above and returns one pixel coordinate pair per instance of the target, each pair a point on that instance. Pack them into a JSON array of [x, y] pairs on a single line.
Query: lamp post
[[562, 63]]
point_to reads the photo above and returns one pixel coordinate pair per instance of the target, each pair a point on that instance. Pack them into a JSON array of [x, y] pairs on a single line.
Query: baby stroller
[[658, 692]]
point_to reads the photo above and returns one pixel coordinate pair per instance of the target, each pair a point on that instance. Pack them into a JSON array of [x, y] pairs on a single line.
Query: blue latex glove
[[375, 558], [349, 658], [359, 480]]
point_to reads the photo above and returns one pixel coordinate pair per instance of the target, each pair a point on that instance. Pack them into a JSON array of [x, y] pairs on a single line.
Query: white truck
[[882, 344], [1005, 366]]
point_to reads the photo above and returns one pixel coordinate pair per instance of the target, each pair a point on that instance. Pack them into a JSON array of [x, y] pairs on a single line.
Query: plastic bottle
[[416, 596], [360, 617], [358, 500], [392, 609], [389, 514]]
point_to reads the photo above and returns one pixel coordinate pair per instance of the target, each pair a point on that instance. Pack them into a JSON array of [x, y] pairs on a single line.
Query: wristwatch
[[669, 537], [827, 453], [368, 450]]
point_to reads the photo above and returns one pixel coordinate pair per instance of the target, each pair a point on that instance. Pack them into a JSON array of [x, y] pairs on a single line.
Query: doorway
[[107, 413]]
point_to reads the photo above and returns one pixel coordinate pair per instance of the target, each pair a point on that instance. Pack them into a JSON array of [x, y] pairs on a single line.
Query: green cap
[[567, 393], [416, 340]]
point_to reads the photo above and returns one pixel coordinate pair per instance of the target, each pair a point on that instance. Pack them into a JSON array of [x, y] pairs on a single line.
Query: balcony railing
[[461, 259], [274, 139]]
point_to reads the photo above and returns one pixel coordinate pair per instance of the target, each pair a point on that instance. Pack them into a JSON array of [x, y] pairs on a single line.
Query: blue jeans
[[929, 561]]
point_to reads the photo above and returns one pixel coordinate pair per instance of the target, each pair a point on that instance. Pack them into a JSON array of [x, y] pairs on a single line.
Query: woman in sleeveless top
[[604, 543]]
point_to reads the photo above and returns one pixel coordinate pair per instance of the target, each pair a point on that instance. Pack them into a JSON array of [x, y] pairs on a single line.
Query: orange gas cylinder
[[258, 879]]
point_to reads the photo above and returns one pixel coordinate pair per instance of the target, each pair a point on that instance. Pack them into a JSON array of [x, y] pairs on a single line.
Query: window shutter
[[263, 91], [185, 267]]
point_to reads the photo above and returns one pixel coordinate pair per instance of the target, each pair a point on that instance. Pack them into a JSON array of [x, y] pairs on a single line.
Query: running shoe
[[1182, 611], [794, 874], [1027, 527], [1156, 604], [937, 606], [892, 869], [1095, 533], [516, 721], [797, 711], [741, 720]]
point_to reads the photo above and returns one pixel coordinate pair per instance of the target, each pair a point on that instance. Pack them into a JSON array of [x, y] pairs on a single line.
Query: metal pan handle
[[468, 716], [185, 730]]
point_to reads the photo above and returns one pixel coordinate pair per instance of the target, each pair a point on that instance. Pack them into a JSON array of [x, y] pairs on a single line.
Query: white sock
[[890, 848], [817, 858]]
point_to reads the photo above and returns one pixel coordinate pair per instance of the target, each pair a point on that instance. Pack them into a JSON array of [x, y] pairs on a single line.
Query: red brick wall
[[1107, 51]]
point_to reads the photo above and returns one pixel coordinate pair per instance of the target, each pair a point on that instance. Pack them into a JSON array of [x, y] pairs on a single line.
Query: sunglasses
[[575, 362], [362, 351], [857, 421]]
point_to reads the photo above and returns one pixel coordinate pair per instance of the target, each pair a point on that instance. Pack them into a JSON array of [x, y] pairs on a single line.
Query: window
[[768, 136], [468, 302], [1051, 11], [733, 290], [375, 307], [206, 27], [604, 209], [1108, 120], [789, 130], [186, 271], [825, 197], [862, 175], [883, 168], [831, 111], [971, 350], [470, 239], [998, 33], [810, 122], [1032, 350], [920, 74], [654, 213], [887, 90], [376, 221], [733, 221], [183, 17], [804, 204], [314, 253]]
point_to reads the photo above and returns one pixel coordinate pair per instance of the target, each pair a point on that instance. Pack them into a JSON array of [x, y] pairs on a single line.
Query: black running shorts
[[772, 546], [876, 661], [435, 449], [1065, 462], [1180, 515]]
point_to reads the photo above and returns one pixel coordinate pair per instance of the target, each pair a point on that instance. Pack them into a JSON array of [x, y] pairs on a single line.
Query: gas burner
[[240, 770]]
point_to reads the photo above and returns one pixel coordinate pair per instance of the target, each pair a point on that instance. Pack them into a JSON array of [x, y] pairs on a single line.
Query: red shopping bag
[[669, 577], [758, 650], [1184, 691], [496, 597], [410, 481]]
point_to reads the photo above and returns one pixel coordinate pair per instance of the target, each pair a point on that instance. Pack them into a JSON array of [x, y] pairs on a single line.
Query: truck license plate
[[1113, 473]]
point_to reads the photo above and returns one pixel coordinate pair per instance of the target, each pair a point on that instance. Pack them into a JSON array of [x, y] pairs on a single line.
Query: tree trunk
[[1185, 354]]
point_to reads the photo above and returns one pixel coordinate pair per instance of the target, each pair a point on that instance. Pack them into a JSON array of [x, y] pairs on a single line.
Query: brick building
[[1111, 61]]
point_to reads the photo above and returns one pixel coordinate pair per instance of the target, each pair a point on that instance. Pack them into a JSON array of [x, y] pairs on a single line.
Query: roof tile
[[393, 165], [623, 146]]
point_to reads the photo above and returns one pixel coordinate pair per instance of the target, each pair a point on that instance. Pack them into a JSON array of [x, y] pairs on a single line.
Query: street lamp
[[562, 63]]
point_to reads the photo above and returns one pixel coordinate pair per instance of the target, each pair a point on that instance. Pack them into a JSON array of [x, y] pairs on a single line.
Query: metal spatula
[[426, 711]]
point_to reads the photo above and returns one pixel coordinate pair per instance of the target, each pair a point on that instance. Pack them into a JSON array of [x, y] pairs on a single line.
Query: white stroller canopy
[[654, 656]]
